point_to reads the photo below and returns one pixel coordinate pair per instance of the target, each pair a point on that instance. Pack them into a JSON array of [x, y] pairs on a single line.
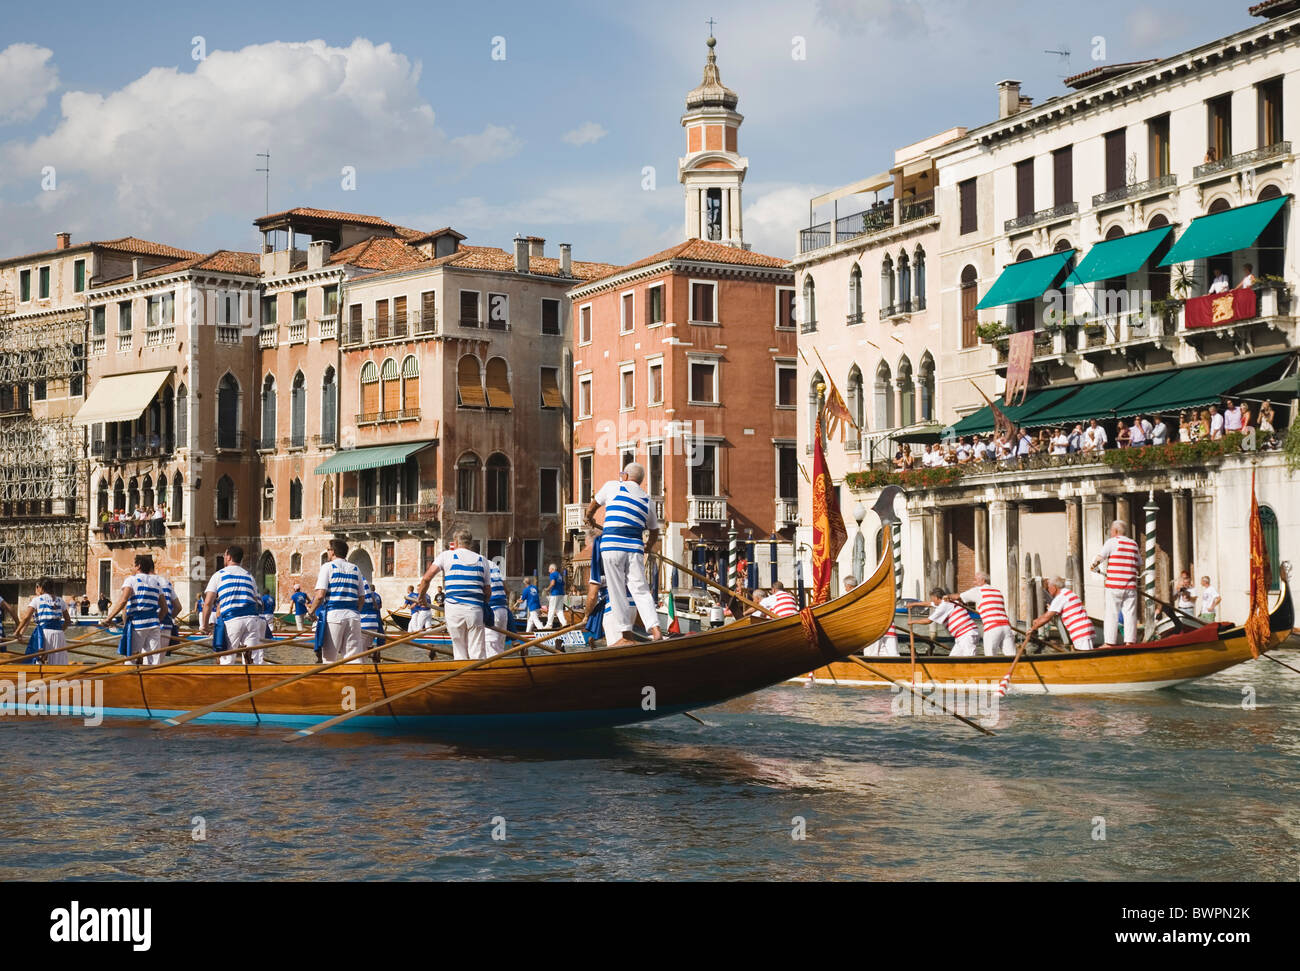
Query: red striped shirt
[[781, 603], [1123, 563], [958, 621], [1073, 614], [992, 608]]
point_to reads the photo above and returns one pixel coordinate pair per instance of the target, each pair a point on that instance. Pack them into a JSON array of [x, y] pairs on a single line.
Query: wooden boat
[[611, 686], [1180, 657]]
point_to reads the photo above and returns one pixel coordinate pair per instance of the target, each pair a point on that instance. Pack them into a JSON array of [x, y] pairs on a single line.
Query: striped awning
[[356, 459]]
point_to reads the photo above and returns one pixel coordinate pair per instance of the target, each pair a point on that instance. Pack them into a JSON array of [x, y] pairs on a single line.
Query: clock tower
[[712, 170]]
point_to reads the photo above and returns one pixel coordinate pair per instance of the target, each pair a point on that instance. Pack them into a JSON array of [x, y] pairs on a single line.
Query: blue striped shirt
[[370, 613], [465, 573], [628, 514], [145, 602], [235, 589], [169, 596], [49, 611], [343, 581], [498, 587]]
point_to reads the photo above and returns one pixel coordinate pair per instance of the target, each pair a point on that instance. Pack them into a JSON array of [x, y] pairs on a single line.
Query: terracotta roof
[[1271, 8], [1104, 71], [123, 244], [332, 214], [493, 258], [218, 261], [705, 251], [380, 253], [425, 237]]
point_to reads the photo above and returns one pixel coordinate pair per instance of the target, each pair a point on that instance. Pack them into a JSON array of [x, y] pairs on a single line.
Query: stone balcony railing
[[572, 517], [229, 334], [269, 335], [392, 515], [124, 341], [327, 327], [706, 509], [298, 331], [787, 512]]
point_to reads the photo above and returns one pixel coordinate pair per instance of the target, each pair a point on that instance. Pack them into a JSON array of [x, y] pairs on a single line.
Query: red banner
[[829, 533], [1257, 625], [1020, 355], [1214, 309]]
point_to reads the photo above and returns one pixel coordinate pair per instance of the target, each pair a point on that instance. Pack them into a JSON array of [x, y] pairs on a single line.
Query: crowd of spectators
[[140, 523]]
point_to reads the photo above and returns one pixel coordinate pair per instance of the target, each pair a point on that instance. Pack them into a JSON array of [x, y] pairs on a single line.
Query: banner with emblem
[[1214, 309], [829, 533], [1020, 356], [1257, 625]]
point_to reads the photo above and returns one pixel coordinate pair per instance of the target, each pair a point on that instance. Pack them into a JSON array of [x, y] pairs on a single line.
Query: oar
[[389, 699], [35, 655], [713, 583], [1005, 683], [902, 684], [315, 669], [150, 668], [1038, 640]]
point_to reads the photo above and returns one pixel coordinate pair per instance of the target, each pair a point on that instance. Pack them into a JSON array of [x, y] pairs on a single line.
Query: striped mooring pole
[[896, 538], [1149, 570], [733, 554]]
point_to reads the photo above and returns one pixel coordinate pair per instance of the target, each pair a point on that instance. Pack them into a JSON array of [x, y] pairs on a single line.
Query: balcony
[[572, 517], [470, 322], [97, 346], [266, 443], [387, 328], [1161, 183], [853, 318], [1064, 211], [787, 513], [330, 440], [1241, 160], [912, 208], [268, 335], [327, 328], [162, 334], [703, 510], [124, 342], [877, 218], [128, 532], [122, 451], [377, 417], [296, 442], [807, 326], [422, 323], [298, 331], [229, 334], [383, 517], [228, 441]]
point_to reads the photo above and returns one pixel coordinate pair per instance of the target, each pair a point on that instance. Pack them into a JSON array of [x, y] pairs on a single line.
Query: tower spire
[[712, 170]]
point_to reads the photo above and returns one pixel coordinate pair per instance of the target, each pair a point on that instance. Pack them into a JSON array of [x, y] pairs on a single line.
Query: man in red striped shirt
[[1123, 563], [992, 609], [960, 624], [780, 601], [1074, 617]]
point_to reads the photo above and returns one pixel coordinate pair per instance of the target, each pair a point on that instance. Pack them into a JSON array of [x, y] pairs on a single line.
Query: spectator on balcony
[[1159, 432], [904, 460], [1221, 283], [1248, 279], [1266, 417], [1074, 441], [1231, 416], [1138, 433], [980, 451], [1094, 437], [156, 519], [1215, 422], [1245, 417], [1025, 446], [1123, 437], [1060, 442]]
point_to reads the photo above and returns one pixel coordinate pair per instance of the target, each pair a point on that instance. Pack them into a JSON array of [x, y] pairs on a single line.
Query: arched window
[[886, 286], [101, 499], [857, 406], [182, 417], [268, 499], [411, 385], [295, 564], [392, 382], [855, 294], [119, 495], [295, 499], [176, 511], [228, 412], [468, 468], [498, 384], [970, 298], [884, 395], [370, 389], [813, 403], [904, 282], [268, 413], [327, 498], [1268, 526], [1158, 277], [168, 417], [329, 408], [808, 319], [1112, 295], [918, 273], [225, 500], [469, 383], [906, 393], [298, 411], [1270, 247], [146, 492], [927, 387], [132, 496], [498, 483]]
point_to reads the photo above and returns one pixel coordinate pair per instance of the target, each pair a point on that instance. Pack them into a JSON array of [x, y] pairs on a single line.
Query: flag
[[1020, 358], [1257, 626], [673, 626], [1000, 419], [829, 533], [835, 411]]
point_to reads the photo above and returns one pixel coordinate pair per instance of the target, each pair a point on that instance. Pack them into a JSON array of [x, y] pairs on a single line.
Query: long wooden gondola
[[1172, 660], [611, 686]]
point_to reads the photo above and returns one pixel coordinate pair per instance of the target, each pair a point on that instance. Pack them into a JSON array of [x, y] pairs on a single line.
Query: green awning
[[1281, 388], [1025, 280], [927, 433], [354, 459], [1223, 232], [1099, 399], [1119, 257], [979, 422], [1200, 385]]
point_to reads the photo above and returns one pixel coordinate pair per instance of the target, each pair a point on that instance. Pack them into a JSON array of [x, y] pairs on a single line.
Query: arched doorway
[[266, 573], [362, 560]]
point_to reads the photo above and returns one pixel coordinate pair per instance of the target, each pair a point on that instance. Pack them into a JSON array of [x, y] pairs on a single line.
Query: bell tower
[[712, 171]]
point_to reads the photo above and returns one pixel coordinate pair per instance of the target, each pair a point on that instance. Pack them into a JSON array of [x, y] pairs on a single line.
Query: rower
[[338, 604], [143, 608], [1123, 561], [232, 595], [953, 616], [467, 589], [992, 609], [52, 616], [371, 616], [629, 513], [597, 609], [780, 601], [299, 601], [532, 601], [421, 612], [887, 644], [497, 612], [1066, 603], [170, 624], [268, 613]]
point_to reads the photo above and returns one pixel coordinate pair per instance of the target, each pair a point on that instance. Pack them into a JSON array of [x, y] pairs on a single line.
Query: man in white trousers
[[1123, 564], [992, 608], [340, 598], [232, 606], [466, 589], [629, 513]]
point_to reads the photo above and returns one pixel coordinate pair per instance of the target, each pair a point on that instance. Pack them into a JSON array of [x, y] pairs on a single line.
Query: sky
[[560, 120]]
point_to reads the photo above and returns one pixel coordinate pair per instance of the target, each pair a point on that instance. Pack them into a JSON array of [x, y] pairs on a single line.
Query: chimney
[[1009, 101], [135, 268], [566, 259], [535, 246], [318, 253], [62, 240], [521, 255]]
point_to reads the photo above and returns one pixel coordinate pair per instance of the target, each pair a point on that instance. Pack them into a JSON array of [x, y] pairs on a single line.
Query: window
[[906, 393], [329, 405], [79, 276], [327, 498], [228, 412], [387, 558], [626, 455], [43, 286], [1218, 112], [270, 311], [548, 493], [585, 487], [391, 379], [1114, 148], [584, 324], [175, 512], [469, 308], [654, 304], [1270, 112], [295, 499], [1158, 146], [785, 308], [655, 382], [410, 384], [25, 285], [532, 557], [918, 279], [627, 387], [1025, 187], [969, 300], [331, 301], [467, 479], [161, 310], [469, 383], [381, 320], [809, 316], [268, 499], [369, 388], [884, 397], [228, 308], [704, 303], [428, 552], [498, 483], [298, 411], [584, 396], [97, 326], [498, 311], [498, 384], [428, 321], [626, 309], [704, 469], [856, 406], [268, 413], [967, 203], [496, 553], [704, 382], [927, 387], [124, 317], [300, 305], [39, 389], [550, 384], [855, 295], [1063, 176], [655, 469], [904, 301], [551, 317], [886, 286], [787, 472], [355, 331], [225, 500], [295, 564], [786, 375]]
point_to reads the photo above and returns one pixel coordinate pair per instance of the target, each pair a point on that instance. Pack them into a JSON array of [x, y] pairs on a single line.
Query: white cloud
[[172, 148], [773, 220], [585, 134], [26, 79]]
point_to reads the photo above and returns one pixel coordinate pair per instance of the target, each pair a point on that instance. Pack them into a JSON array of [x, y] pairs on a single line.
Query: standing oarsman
[[144, 608], [955, 617], [371, 614], [171, 630], [466, 591], [992, 608], [628, 514], [268, 613], [232, 594], [555, 593], [598, 610], [421, 612], [532, 601], [338, 605], [52, 616], [1067, 604], [299, 601], [1123, 563], [498, 612]]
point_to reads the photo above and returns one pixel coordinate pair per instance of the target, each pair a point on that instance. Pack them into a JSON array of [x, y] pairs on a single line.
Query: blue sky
[[143, 139]]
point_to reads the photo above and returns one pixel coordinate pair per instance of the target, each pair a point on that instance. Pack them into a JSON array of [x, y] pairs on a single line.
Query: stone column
[[726, 217], [1096, 520], [737, 213], [1180, 551], [1124, 511], [999, 546], [939, 546], [982, 538], [1205, 546], [1073, 539], [1019, 600]]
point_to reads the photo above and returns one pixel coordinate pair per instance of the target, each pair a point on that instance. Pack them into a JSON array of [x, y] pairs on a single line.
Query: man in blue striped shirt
[[233, 593], [499, 606], [466, 590], [145, 610], [340, 598], [51, 618], [629, 513]]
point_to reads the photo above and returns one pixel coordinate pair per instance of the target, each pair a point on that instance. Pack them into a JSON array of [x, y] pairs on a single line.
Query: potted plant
[[992, 330]]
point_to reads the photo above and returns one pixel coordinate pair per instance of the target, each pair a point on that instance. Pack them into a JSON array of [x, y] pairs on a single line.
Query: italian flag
[[673, 626]]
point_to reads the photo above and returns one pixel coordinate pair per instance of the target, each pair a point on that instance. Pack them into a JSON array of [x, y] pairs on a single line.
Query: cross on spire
[[711, 23]]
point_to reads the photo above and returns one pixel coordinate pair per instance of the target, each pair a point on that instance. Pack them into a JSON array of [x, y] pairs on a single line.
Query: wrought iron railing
[[1136, 189], [230, 441], [1242, 159], [915, 207], [385, 514], [814, 237], [1041, 216], [405, 414]]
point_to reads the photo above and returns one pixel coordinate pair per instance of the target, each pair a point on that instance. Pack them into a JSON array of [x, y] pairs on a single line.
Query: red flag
[[829, 533], [1257, 626], [1020, 358], [1000, 419]]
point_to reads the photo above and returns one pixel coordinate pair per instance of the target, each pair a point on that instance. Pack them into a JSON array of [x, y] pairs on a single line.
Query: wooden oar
[[36, 655], [389, 699], [902, 684], [150, 668], [1005, 683], [315, 669], [1038, 640], [713, 583]]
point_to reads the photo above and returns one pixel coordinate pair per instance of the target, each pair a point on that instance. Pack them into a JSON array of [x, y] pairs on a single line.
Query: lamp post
[[859, 543]]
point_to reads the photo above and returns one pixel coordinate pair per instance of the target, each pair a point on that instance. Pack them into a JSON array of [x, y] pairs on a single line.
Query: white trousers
[[553, 611], [465, 625], [343, 636], [245, 632], [1123, 602], [50, 639], [624, 576], [297, 619], [534, 621], [147, 640], [1082, 644], [496, 643], [421, 619], [887, 646], [964, 646], [999, 638]]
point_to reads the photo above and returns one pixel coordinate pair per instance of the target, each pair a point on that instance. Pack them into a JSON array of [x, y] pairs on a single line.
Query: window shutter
[[381, 320], [392, 387], [551, 397], [428, 310], [498, 384], [399, 316], [1115, 159], [469, 383], [410, 384]]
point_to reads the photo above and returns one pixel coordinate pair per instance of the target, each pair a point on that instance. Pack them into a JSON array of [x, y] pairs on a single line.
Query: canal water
[[793, 783]]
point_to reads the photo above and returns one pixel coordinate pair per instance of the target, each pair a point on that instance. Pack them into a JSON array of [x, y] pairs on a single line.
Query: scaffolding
[[42, 464]]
